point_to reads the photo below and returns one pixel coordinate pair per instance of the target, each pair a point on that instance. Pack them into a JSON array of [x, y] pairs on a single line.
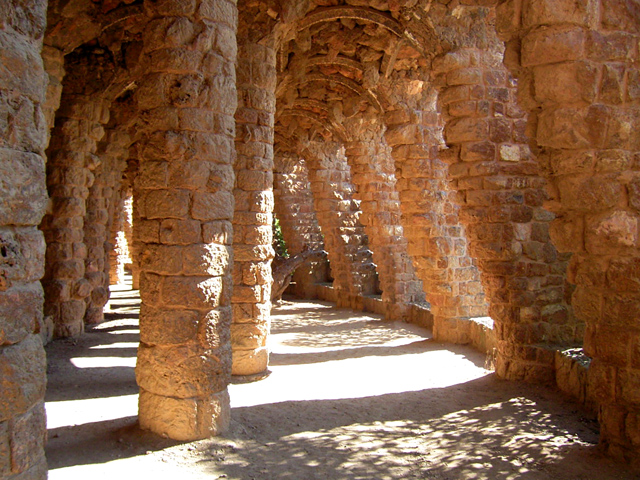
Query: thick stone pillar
[[501, 196], [187, 99], [577, 69], [113, 152], [23, 199], [373, 175], [253, 193], [436, 239], [71, 160], [338, 214], [298, 221]]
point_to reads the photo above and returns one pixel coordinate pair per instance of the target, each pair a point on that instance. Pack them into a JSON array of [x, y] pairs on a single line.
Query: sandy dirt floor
[[349, 397]]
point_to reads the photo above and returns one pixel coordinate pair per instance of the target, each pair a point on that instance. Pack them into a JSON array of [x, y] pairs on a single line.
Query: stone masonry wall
[[113, 152], [71, 159], [23, 136], [577, 69], [186, 101], [501, 196]]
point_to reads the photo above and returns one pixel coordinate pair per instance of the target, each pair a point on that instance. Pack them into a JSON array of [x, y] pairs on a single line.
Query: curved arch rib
[[348, 83], [339, 61], [317, 120], [329, 14]]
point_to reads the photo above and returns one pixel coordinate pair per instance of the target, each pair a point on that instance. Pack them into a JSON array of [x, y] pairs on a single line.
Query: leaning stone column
[[294, 207], [253, 208], [23, 198], [577, 69], [436, 239], [71, 158], [338, 214], [373, 175], [186, 99]]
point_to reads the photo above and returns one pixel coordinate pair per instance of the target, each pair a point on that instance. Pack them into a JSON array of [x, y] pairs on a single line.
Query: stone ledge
[[572, 377]]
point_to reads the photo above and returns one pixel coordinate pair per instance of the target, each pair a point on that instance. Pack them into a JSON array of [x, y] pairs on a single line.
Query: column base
[[250, 362], [184, 419]]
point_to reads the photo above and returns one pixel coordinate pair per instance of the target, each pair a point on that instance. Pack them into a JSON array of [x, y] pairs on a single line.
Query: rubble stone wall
[[338, 214], [373, 175], [436, 239]]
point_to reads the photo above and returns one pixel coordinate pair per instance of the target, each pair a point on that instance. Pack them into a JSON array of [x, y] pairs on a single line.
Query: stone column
[[71, 159], [253, 193], [108, 177], [23, 199], [298, 221], [374, 178], [338, 214], [501, 196], [53, 60], [578, 77], [95, 235], [186, 99], [436, 239]]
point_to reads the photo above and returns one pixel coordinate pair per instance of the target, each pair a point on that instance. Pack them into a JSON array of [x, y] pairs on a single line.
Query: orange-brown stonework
[[455, 159]]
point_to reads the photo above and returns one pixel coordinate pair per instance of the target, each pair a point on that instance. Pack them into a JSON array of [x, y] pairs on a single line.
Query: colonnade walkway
[[349, 396]]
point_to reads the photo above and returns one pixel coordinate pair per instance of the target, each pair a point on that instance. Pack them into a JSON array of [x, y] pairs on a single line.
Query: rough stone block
[[22, 181], [27, 439], [552, 45], [183, 371], [167, 327], [180, 232], [214, 329], [548, 12], [22, 369], [184, 419], [612, 233], [248, 336], [201, 293], [209, 206], [206, 259], [250, 362], [621, 15], [564, 128], [161, 204], [566, 82], [466, 130]]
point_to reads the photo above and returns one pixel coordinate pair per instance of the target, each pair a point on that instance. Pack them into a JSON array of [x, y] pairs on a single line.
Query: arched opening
[[447, 189]]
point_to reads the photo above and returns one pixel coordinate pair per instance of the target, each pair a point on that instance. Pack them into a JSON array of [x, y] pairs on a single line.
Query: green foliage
[[279, 245]]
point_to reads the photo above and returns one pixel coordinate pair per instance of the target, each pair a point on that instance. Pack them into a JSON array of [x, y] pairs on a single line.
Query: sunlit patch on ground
[[350, 396]]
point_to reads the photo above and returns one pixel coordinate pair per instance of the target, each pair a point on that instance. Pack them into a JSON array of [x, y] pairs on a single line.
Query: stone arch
[[293, 204], [331, 127], [343, 81]]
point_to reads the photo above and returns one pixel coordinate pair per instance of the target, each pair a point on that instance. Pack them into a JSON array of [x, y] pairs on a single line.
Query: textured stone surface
[[253, 195], [185, 281], [404, 137]]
